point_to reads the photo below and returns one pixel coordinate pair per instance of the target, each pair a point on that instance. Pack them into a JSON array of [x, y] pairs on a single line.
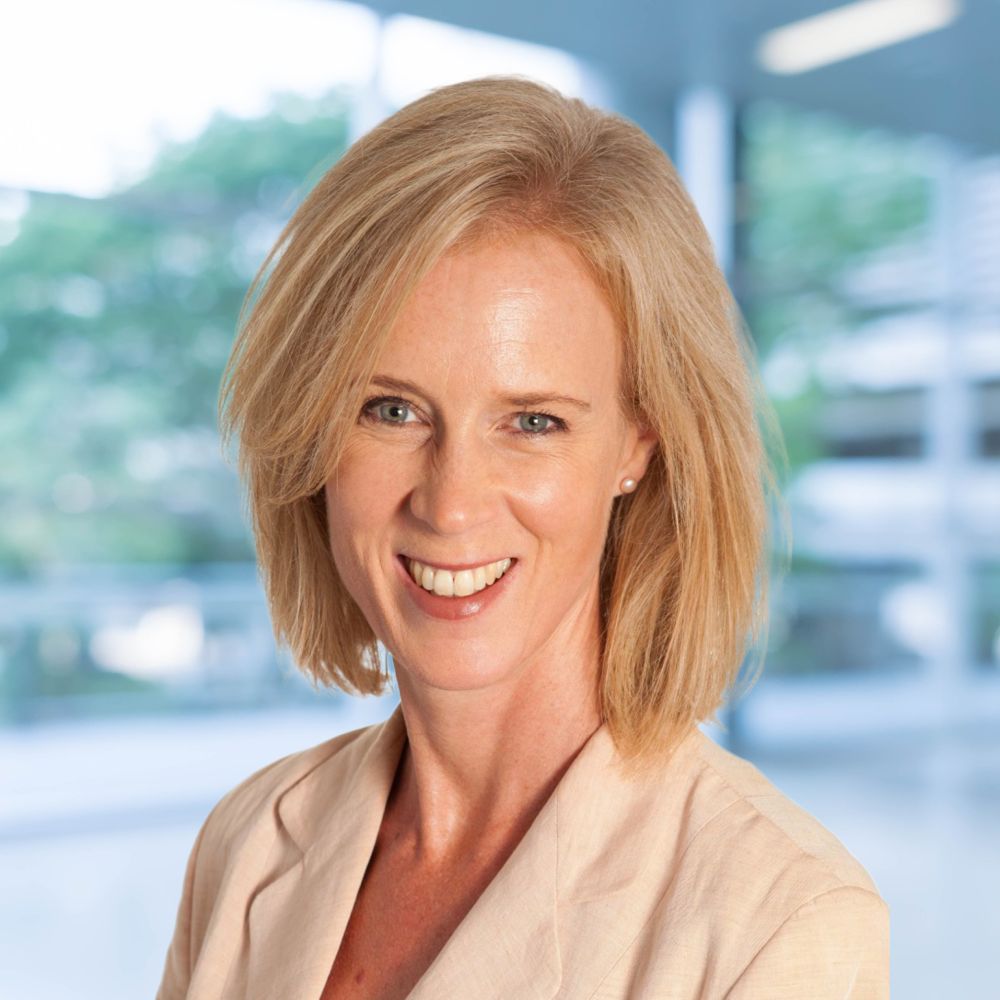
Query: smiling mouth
[[455, 583], [452, 567]]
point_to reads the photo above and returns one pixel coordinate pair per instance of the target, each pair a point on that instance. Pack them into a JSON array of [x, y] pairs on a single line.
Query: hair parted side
[[684, 574]]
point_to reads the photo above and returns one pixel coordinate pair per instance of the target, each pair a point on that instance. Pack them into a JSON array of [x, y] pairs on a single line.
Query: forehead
[[507, 314]]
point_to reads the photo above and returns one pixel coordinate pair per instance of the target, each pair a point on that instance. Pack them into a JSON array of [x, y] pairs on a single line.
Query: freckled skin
[[459, 482], [495, 705]]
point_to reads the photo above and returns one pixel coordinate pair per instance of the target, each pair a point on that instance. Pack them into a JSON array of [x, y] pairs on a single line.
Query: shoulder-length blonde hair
[[683, 579]]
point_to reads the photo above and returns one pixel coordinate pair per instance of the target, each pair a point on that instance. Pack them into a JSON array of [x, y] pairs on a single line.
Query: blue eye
[[385, 405], [372, 407], [545, 430]]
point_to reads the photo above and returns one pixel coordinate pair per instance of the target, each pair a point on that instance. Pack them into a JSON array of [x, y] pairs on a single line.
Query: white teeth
[[460, 584]]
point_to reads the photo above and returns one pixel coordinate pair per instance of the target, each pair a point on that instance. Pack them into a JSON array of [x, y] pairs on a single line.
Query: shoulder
[[771, 899], [807, 909], [764, 830], [721, 879], [836, 945], [238, 832], [256, 796]]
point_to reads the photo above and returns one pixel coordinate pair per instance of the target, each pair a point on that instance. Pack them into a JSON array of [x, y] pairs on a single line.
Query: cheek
[[566, 505], [353, 516], [365, 475], [358, 498]]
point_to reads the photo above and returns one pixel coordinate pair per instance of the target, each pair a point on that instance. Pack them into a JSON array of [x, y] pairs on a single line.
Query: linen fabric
[[699, 879]]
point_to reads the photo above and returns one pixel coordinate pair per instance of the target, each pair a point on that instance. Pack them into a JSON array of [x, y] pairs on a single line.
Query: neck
[[478, 766]]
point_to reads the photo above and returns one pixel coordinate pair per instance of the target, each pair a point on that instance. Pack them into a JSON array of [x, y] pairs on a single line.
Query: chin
[[467, 672]]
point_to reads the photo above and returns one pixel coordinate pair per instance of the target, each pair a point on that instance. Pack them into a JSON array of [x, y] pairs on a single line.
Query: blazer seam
[[793, 915], [776, 794]]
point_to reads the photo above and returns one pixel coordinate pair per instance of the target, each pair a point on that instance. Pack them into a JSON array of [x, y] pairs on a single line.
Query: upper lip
[[454, 567]]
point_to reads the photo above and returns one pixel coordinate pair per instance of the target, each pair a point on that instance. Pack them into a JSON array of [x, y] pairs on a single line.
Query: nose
[[457, 487]]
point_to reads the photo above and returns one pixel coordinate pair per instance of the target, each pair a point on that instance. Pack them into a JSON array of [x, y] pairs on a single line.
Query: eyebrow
[[516, 399]]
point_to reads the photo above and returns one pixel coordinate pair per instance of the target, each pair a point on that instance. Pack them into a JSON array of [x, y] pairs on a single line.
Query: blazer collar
[[328, 822], [582, 848]]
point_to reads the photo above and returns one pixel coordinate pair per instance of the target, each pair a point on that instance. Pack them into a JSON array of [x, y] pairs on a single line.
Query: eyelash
[[558, 422]]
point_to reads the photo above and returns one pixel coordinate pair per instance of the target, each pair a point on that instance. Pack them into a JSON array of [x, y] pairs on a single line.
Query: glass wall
[[866, 266]]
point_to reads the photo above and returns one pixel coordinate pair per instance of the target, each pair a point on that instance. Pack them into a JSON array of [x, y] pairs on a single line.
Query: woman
[[496, 410]]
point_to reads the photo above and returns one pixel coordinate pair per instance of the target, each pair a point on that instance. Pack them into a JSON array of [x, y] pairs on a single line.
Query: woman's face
[[452, 471]]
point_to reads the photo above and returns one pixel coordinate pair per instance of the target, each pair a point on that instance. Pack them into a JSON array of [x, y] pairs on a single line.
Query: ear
[[641, 443]]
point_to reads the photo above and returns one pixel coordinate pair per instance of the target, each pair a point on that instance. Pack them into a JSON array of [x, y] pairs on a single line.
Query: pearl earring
[[628, 485]]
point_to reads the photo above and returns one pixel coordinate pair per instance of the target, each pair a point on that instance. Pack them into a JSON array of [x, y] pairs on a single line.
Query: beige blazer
[[699, 881]]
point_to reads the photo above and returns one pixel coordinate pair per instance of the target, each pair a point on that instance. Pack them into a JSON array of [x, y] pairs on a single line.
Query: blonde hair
[[683, 581]]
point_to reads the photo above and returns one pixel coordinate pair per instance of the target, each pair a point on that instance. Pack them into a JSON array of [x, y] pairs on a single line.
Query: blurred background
[[846, 159]]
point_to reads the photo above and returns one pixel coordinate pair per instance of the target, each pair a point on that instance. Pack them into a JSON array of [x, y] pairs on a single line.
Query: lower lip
[[455, 608]]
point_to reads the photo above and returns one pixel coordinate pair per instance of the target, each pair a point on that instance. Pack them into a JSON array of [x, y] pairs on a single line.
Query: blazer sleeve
[[834, 947], [180, 957]]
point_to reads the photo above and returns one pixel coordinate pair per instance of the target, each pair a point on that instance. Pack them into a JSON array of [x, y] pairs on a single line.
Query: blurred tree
[[819, 197], [117, 315], [116, 318]]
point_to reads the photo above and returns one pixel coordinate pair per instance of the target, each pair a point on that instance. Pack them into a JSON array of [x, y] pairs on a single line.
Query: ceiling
[[946, 82]]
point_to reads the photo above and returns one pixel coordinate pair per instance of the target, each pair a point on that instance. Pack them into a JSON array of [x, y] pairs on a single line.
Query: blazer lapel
[[561, 911], [332, 818], [619, 838], [574, 893], [507, 945]]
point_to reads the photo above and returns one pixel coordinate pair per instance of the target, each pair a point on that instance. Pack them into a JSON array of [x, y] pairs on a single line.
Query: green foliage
[[116, 319], [821, 196], [117, 316]]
